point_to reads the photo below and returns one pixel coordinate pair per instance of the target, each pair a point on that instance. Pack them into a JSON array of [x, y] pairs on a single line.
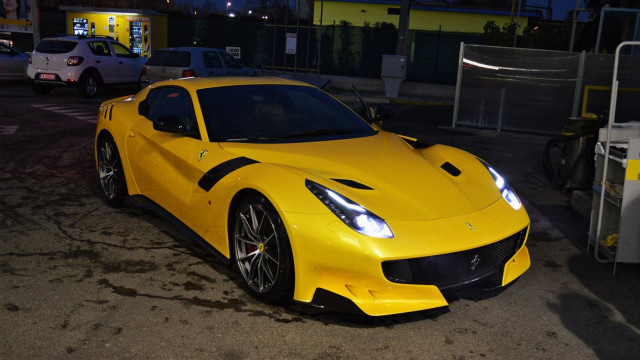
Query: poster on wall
[[17, 15]]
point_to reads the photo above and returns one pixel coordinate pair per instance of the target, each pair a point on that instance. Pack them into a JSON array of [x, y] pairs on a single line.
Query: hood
[[386, 175]]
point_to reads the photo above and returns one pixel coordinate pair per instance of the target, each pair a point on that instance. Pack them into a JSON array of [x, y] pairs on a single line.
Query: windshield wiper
[[318, 132], [252, 138]]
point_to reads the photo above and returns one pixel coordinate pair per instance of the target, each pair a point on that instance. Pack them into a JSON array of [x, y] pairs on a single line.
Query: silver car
[[13, 64], [181, 62]]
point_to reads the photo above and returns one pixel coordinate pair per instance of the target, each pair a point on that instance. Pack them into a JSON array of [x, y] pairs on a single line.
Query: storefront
[[141, 30]]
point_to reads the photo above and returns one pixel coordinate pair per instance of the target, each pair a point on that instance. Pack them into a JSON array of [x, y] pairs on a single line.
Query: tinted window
[[285, 113], [5, 50], [230, 61], [212, 60], [172, 101], [121, 50], [56, 46], [99, 48], [170, 58]]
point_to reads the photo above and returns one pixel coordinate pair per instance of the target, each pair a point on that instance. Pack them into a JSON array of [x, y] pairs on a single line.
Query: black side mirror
[[143, 108]]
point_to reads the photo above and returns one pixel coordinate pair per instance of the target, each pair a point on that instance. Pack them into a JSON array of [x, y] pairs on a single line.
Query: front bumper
[[331, 258]]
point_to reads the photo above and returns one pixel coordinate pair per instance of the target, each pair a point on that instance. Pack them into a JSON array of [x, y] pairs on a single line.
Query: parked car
[[13, 63], [181, 62], [309, 201], [85, 62]]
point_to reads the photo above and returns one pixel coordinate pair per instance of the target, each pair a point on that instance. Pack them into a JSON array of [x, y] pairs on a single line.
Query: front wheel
[[261, 250], [110, 172], [89, 84]]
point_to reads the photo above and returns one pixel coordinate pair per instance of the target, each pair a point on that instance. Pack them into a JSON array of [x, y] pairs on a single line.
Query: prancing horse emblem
[[203, 152], [470, 226], [475, 262]]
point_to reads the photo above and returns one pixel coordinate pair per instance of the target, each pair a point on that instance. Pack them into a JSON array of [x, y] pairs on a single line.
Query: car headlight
[[353, 215], [505, 190]]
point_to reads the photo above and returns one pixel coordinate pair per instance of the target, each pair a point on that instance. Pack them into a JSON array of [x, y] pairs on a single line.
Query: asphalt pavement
[[81, 280]]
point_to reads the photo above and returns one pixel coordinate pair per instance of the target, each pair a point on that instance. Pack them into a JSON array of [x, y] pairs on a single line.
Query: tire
[[40, 89], [89, 84], [111, 175], [261, 250]]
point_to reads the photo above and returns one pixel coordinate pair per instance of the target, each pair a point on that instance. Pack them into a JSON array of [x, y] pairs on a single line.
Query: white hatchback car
[[181, 62], [83, 62]]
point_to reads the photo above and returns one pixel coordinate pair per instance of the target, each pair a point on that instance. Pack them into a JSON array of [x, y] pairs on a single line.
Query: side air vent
[[448, 167], [353, 184]]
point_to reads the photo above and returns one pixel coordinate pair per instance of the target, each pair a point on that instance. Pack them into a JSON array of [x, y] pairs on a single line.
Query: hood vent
[[353, 184], [448, 167]]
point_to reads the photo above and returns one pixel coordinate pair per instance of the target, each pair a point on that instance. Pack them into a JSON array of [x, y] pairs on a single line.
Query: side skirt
[[139, 201]]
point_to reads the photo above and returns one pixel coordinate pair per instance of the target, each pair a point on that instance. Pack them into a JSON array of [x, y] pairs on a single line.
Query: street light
[[228, 4]]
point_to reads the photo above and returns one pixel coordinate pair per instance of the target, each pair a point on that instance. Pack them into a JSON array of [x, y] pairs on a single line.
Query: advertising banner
[[17, 15]]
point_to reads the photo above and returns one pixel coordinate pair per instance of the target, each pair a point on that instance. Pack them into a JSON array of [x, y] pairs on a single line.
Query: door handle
[[120, 62], [132, 134], [98, 61]]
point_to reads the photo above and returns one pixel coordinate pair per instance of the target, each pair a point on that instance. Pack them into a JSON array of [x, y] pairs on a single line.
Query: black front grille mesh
[[453, 269]]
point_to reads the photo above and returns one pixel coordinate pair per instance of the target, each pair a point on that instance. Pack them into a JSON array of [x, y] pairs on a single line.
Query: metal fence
[[537, 91], [345, 50]]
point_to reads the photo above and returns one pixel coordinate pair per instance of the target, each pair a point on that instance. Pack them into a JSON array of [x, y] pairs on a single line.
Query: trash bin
[[579, 138]]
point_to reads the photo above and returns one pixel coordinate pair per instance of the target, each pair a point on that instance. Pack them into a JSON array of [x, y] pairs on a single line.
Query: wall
[[420, 18]]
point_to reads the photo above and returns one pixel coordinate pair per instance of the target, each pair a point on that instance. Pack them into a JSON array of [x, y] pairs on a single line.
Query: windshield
[[277, 113]]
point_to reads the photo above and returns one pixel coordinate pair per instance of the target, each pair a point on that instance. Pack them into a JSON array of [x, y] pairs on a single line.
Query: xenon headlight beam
[[353, 215], [505, 190]]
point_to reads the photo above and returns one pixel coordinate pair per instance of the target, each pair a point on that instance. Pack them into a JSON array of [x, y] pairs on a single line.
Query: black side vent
[[448, 167], [353, 184]]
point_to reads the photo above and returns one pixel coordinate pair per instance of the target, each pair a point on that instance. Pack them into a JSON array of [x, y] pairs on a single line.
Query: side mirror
[[143, 108], [382, 113]]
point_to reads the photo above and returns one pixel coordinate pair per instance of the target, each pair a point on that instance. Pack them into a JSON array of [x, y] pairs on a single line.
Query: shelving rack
[[617, 198]]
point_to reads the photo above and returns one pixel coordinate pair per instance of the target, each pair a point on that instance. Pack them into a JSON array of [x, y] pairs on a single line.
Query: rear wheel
[[89, 84], [261, 250], [110, 172]]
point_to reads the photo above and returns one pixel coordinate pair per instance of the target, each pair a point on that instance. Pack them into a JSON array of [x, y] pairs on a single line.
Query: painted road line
[[8, 129]]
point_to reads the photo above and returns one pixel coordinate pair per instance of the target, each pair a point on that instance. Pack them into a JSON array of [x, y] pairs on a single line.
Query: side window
[[121, 50], [230, 61], [212, 60], [172, 101], [99, 48]]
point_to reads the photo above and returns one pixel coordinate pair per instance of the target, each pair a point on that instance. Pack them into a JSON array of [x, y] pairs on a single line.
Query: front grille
[[453, 269]]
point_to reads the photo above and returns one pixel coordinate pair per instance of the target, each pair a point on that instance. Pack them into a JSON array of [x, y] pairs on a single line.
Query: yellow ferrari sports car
[[308, 200]]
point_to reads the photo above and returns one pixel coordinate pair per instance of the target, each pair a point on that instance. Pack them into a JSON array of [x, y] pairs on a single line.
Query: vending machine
[[80, 26], [136, 37]]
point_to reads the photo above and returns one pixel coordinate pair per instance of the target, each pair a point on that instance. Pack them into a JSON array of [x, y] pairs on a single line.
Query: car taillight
[[30, 59], [188, 73], [74, 60], [144, 71]]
